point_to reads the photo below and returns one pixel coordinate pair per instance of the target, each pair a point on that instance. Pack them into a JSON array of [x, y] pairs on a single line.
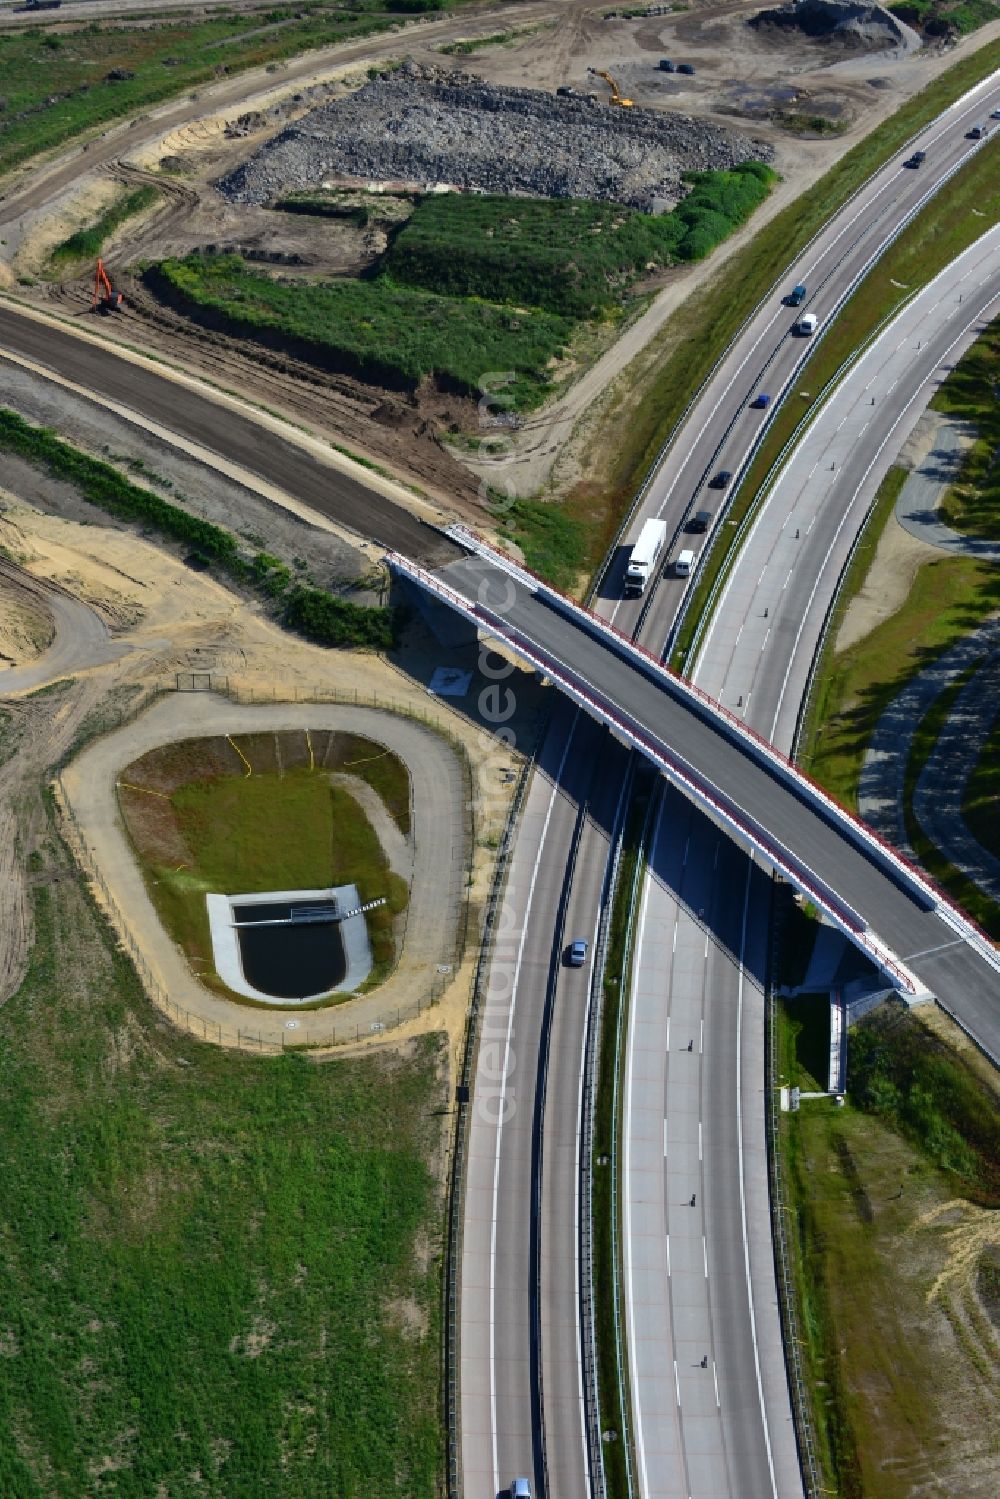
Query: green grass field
[[890, 1203], [239, 834], [568, 255], [221, 1274], [55, 85], [387, 334]]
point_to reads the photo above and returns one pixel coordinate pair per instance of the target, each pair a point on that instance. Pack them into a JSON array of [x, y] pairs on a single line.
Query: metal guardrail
[[538, 1143], [624, 1387], [780, 280], [798, 1389], [595, 1023]]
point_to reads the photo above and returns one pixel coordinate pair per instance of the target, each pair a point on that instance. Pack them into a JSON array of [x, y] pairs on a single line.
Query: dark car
[[722, 479], [761, 401], [976, 133], [576, 954], [916, 159], [666, 66], [685, 67], [796, 296], [700, 521], [565, 92]]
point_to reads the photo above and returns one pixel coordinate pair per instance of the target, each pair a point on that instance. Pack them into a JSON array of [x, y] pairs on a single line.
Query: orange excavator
[[106, 299], [617, 98]]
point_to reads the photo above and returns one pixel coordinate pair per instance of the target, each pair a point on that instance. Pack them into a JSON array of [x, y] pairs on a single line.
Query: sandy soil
[[166, 620]]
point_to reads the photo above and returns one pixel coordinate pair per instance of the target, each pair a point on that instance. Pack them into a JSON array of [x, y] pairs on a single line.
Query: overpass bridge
[[890, 910]]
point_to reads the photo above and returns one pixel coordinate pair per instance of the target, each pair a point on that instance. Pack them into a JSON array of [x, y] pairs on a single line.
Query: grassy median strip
[[221, 1274], [954, 219], [312, 612], [682, 355], [612, 1376], [972, 504]]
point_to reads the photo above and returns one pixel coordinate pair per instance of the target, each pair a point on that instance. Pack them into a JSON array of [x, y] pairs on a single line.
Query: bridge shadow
[[713, 882]]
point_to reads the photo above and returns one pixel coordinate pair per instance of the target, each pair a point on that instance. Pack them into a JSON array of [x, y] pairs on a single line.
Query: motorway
[[755, 657], [719, 432], [558, 818]]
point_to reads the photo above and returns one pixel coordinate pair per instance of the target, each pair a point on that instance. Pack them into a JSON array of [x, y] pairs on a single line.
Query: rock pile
[[429, 127], [849, 23]]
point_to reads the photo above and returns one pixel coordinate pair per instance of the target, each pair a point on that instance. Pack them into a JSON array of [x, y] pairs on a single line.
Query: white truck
[[642, 560]]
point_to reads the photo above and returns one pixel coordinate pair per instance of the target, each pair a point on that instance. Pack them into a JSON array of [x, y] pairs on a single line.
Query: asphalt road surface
[[191, 413], [698, 742]]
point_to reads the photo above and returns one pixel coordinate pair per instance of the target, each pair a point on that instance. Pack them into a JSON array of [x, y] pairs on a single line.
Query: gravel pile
[[850, 23], [415, 127]]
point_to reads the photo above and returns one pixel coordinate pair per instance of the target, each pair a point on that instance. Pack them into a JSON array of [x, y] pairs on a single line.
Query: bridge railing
[[918, 881], [703, 791]]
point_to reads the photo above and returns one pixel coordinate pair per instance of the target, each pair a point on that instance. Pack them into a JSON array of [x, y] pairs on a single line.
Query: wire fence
[[296, 1033]]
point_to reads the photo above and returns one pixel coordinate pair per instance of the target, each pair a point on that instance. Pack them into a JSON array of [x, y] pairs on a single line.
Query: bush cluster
[[566, 255], [86, 244], [312, 612], [388, 334]]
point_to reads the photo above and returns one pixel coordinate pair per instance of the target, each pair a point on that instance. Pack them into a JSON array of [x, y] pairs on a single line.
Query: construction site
[[569, 103]]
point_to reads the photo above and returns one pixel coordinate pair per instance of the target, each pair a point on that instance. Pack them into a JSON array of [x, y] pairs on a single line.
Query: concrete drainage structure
[[343, 954]]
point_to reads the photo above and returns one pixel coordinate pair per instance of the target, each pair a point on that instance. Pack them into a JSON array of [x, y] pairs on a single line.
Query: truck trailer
[[643, 557]]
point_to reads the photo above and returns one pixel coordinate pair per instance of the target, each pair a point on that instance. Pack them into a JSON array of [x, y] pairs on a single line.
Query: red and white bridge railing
[[687, 777]]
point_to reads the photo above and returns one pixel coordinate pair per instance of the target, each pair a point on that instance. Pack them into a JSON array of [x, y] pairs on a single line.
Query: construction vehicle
[[616, 94], [106, 299]]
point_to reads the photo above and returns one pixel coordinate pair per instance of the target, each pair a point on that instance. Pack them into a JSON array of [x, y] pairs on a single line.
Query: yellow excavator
[[616, 94]]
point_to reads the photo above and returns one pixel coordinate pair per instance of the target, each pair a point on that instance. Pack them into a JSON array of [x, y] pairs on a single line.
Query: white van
[[807, 324], [683, 563]]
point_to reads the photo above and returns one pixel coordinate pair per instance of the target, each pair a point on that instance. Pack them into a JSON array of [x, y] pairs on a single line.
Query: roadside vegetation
[[395, 336], [320, 616], [972, 504], [944, 18], [981, 803], [468, 284], [87, 244], [611, 1358], [954, 219], [893, 1201], [647, 404], [566, 255], [238, 825], [55, 85], [221, 1274]]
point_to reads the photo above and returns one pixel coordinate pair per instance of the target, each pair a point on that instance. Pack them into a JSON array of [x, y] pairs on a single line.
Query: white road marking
[[503, 1097], [677, 1383], [664, 1139]]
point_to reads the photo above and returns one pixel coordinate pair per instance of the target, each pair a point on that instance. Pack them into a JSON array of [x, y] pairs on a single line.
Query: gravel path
[[919, 498], [440, 857], [883, 773]]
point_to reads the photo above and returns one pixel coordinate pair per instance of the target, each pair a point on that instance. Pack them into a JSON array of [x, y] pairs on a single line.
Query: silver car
[[520, 1489]]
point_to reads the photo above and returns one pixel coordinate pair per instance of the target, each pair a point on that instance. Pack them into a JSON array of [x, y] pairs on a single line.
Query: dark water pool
[[293, 959]]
